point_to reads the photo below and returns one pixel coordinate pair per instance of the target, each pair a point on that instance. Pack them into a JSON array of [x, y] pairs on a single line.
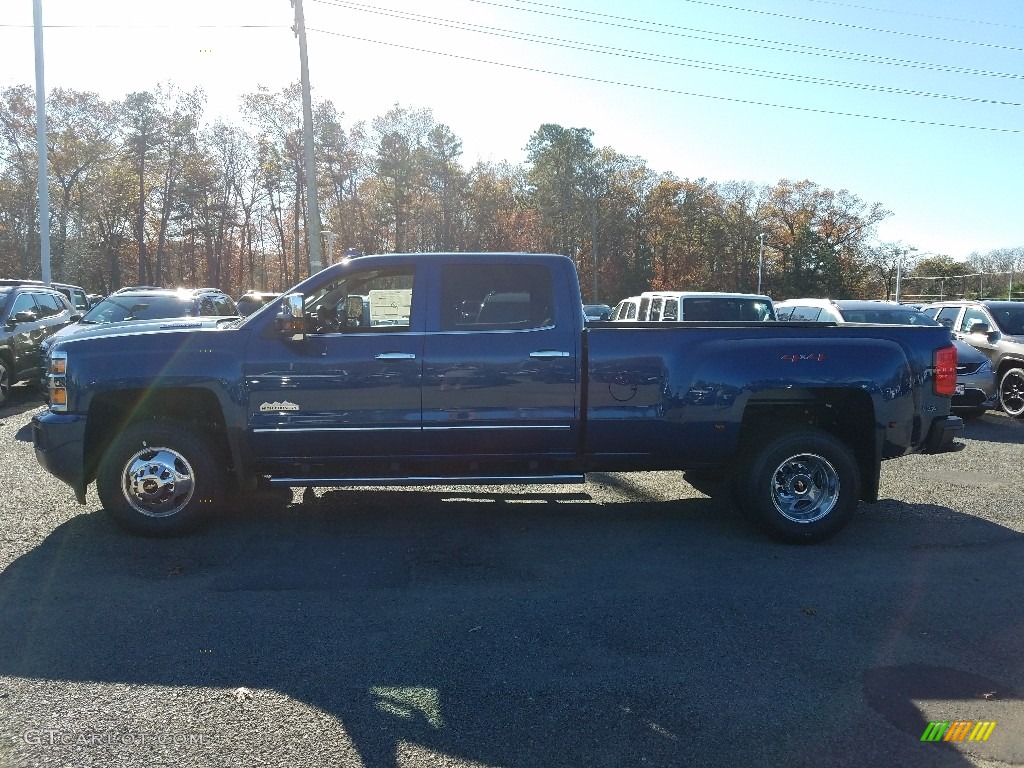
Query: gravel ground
[[633, 621]]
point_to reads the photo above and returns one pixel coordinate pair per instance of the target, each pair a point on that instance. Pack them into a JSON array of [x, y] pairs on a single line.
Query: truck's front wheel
[[800, 487], [158, 479]]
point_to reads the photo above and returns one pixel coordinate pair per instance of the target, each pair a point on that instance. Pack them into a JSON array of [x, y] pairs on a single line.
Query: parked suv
[[29, 314], [996, 329], [139, 306], [975, 379], [704, 306], [74, 293]]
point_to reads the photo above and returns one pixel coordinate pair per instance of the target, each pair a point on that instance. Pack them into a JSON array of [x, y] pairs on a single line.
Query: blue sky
[[912, 104]]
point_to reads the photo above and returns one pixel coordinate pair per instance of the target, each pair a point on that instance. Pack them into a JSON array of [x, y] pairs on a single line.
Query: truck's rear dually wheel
[[801, 486], [158, 479]]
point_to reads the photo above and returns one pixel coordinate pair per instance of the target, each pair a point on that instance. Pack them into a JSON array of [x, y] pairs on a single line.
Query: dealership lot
[[633, 621]]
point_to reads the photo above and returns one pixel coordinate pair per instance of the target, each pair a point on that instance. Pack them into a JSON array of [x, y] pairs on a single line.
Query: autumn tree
[[563, 180]]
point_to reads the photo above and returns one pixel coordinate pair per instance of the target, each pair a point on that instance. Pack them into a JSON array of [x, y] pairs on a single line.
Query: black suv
[[75, 294], [995, 328], [130, 307], [29, 314]]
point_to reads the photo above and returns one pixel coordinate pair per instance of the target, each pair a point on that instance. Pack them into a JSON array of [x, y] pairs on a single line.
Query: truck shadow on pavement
[[542, 629]]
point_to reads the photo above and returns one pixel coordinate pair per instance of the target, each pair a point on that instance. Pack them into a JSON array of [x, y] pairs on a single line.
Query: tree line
[[144, 191]]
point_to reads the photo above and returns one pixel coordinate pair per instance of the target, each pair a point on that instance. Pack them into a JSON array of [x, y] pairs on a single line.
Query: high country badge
[[282, 406]]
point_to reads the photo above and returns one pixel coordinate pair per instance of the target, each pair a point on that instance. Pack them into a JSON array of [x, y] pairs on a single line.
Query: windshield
[[887, 316], [720, 309], [1010, 320], [115, 309]]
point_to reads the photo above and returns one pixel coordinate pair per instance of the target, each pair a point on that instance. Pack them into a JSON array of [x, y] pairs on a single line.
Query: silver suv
[[996, 329]]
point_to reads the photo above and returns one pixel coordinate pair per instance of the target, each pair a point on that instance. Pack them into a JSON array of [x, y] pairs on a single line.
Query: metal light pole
[[899, 272], [899, 269], [44, 180], [760, 260]]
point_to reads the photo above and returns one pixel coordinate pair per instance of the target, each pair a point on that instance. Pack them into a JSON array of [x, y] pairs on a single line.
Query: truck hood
[[80, 331]]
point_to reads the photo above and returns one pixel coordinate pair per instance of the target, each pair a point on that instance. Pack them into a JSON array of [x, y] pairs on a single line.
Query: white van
[[706, 306], [626, 309]]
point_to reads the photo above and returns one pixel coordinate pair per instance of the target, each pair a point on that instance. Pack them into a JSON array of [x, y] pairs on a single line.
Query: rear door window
[[49, 304], [476, 297], [972, 316]]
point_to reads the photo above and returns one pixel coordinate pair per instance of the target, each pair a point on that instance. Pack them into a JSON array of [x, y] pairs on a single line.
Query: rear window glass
[[717, 308], [1011, 321], [888, 317]]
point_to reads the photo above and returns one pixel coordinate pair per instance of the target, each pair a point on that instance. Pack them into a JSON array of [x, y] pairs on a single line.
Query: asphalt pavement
[[632, 621]]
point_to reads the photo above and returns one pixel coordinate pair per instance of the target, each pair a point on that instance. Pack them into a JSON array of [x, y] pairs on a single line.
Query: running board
[[330, 482]]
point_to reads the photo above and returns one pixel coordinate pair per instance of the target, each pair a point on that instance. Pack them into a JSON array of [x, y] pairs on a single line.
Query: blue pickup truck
[[418, 369]]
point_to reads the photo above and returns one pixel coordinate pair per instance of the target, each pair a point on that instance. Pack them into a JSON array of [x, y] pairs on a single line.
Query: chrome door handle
[[549, 353], [395, 356]]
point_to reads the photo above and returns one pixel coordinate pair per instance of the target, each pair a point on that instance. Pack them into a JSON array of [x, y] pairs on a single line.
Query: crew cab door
[[351, 386], [500, 361]]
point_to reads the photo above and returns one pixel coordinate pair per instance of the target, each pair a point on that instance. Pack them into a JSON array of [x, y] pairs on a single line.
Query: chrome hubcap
[[158, 482], [805, 488]]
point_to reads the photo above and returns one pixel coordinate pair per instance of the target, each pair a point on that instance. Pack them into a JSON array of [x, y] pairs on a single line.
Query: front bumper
[[941, 434], [59, 440]]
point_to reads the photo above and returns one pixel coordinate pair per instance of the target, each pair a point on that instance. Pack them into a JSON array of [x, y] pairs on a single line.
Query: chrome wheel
[[1011, 392], [158, 482], [805, 488]]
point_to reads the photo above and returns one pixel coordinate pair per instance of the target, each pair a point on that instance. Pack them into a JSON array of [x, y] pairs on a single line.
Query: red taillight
[[944, 383]]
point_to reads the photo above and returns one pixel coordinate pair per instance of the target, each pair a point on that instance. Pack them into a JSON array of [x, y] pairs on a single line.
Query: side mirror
[[291, 320], [23, 317], [75, 317]]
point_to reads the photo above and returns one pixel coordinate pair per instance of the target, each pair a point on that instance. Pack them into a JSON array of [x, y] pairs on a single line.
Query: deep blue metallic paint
[[655, 396]]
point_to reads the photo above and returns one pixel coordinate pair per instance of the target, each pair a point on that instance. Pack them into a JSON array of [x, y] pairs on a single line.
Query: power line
[[658, 58], [658, 89], [846, 25], [919, 15], [789, 17], [757, 42]]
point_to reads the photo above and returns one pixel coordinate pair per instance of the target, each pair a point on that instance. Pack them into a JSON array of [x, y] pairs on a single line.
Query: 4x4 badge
[[282, 406]]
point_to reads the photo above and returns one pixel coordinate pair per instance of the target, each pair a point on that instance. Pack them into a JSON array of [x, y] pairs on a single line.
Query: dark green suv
[[29, 314], [995, 328]]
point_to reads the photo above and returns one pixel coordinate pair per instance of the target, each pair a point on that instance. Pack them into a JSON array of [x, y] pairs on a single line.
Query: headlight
[[56, 378], [985, 367]]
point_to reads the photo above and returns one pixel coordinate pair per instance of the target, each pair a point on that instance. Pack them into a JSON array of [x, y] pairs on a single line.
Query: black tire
[[1011, 392], [800, 487], [5, 382], [159, 479]]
